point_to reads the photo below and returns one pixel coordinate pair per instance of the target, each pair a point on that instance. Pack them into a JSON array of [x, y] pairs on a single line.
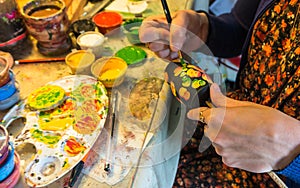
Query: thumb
[[216, 96], [220, 100]]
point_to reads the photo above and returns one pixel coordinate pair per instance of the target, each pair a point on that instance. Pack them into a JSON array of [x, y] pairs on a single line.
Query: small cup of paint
[[93, 41], [80, 61], [8, 165], [107, 21]]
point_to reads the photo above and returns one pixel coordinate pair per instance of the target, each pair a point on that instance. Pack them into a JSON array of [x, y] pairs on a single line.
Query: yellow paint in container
[[109, 70], [80, 61]]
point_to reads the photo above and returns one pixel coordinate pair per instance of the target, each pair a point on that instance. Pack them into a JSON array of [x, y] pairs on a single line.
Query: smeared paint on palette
[[46, 98], [62, 134]]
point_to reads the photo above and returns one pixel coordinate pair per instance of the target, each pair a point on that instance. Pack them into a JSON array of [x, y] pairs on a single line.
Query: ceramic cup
[[47, 22], [93, 41], [189, 83]]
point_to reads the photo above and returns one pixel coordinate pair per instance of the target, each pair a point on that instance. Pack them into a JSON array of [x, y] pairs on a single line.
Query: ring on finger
[[201, 118]]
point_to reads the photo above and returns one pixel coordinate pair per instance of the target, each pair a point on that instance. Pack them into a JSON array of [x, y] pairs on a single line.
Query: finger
[[220, 100], [214, 118], [194, 113], [178, 31], [158, 46], [164, 53], [153, 30], [153, 34], [174, 55]]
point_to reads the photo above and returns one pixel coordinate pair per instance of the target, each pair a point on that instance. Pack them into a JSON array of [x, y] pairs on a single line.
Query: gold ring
[[201, 118]]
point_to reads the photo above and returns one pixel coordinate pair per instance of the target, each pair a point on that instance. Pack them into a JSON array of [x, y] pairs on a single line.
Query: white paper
[[134, 7]]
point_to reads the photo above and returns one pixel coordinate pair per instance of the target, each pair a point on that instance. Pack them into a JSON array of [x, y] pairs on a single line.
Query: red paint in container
[[107, 21]]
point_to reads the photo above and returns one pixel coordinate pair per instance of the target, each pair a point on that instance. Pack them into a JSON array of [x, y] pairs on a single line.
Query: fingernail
[[174, 55], [189, 114]]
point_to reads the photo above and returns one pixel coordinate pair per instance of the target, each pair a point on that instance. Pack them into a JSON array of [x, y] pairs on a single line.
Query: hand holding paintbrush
[[169, 19]]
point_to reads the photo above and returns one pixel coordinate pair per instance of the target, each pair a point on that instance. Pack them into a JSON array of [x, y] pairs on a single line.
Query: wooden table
[[32, 76]]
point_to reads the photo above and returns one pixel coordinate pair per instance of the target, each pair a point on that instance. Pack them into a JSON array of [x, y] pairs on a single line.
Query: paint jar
[[47, 22], [80, 61], [78, 27], [9, 161], [109, 70], [9, 88], [81, 26], [14, 176], [93, 41], [107, 21], [9, 93], [8, 165], [10, 101]]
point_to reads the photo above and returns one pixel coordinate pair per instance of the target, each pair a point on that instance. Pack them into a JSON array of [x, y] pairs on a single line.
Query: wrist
[[288, 135]]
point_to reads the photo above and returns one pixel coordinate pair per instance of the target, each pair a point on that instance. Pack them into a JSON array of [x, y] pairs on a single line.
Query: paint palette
[[63, 135]]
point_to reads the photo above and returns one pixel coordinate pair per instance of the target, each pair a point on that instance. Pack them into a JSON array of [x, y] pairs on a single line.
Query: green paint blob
[[131, 54]]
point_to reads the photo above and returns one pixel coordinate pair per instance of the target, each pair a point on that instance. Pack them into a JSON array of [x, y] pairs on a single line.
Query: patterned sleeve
[[228, 31]]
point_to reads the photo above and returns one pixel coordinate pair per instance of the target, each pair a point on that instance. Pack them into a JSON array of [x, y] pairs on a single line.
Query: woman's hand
[[249, 136], [187, 32]]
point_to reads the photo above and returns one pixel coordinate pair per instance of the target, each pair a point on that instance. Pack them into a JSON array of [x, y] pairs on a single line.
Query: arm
[[250, 136], [224, 34], [228, 31]]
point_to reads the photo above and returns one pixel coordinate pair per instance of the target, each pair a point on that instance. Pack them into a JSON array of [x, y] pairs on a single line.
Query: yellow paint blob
[[110, 74], [56, 124]]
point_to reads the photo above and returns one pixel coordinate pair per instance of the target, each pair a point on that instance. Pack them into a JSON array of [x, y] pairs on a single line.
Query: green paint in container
[[132, 54]]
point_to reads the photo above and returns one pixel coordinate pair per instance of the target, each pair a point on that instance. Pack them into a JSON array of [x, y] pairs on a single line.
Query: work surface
[[158, 163]]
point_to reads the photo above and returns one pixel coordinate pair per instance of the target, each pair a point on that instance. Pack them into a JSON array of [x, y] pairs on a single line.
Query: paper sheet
[[134, 7], [124, 156]]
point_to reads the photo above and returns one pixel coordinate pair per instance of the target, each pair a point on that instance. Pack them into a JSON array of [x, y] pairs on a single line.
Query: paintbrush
[[113, 104], [41, 60], [76, 171], [169, 20]]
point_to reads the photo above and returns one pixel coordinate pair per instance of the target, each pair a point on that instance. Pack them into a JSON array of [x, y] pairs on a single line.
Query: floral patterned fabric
[[271, 78]]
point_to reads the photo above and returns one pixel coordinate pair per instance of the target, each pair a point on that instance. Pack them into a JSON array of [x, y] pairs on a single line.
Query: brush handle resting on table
[[42, 60]]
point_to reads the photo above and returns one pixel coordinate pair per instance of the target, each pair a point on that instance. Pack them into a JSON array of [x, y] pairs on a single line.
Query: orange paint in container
[[107, 21]]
